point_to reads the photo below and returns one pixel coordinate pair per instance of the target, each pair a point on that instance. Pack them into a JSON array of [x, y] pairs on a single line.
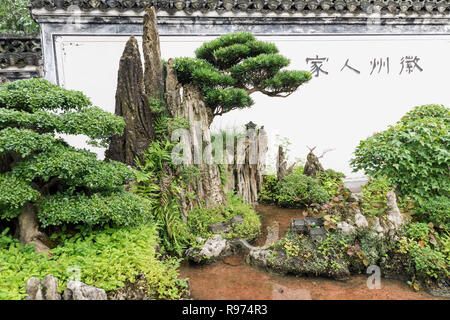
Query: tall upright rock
[[133, 105], [245, 174], [312, 166], [154, 71]]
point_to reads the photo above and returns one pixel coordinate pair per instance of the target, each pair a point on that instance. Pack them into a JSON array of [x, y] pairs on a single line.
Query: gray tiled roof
[[435, 7]]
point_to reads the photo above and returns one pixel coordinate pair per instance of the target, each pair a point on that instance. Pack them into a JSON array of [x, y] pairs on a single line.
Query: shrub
[[435, 210], [64, 184], [200, 218], [374, 196], [331, 181], [268, 193], [15, 18], [297, 190], [413, 154], [107, 259]]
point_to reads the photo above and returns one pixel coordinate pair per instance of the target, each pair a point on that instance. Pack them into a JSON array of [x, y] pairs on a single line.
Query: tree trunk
[[29, 229], [154, 71], [131, 104], [198, 147]]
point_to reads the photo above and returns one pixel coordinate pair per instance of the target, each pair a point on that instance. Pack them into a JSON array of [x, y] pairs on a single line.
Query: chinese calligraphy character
[[316, 65], [379, 64], [410, 64], [346, 65]]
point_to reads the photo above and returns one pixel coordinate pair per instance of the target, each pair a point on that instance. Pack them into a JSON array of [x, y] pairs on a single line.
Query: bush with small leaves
[[299, 190], [413, 154], [62, 183]]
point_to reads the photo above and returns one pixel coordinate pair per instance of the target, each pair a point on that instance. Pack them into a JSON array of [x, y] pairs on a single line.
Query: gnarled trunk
[[132, 104], [29, 229]]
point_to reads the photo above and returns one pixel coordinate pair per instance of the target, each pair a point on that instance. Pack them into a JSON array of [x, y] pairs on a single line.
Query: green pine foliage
[[65, 184], [231, 67]]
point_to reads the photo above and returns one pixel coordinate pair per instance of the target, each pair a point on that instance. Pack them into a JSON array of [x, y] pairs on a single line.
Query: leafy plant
[[15, 18], [107, 259], [413, 154], [374, 196], [331, 181], [64, 184], [268, 193], [297, 190], [435, 210]]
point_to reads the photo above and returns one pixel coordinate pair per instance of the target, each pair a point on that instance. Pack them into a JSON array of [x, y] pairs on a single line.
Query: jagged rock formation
[[312, 166], [77, 290], [132, 104], [282, 169], [47, 289], [154, 71], [245, 174]]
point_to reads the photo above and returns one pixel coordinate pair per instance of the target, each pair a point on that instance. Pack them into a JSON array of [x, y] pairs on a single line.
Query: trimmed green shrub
[[298, 190], [413, 154], [64, 184]]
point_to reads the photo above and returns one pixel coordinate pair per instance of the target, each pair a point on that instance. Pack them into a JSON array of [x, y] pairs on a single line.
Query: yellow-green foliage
[[106, 259]]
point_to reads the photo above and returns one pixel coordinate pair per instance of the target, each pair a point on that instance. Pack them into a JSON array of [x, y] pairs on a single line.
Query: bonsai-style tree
[[231, 67], [44, 181], [221, 78]]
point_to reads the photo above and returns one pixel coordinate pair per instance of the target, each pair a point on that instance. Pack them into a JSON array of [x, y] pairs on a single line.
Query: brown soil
[[232, 279]]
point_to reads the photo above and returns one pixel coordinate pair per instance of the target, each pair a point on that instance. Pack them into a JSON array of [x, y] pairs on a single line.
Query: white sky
[[333, 111]]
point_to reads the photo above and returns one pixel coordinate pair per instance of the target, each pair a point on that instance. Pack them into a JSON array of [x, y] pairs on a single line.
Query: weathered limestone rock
[[211, 250], [345, 227], [282, 169], [361, 221], [132, 104], [77, 290], [312, 166], [246, 165], [393, 213], [34, 289], [299, 226], [154, 71], [50, 284], [237, 220]]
